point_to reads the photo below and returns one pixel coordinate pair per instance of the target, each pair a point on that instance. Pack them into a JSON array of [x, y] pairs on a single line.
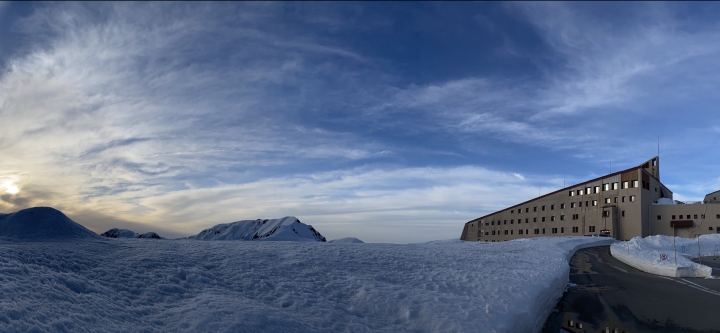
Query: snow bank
[[41, 223], [191, 286], [655, 254], [288, 228], [346, 240]]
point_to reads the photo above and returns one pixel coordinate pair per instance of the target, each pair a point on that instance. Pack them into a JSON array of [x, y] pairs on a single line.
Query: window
[[552, 218], [520, 232], [512, 221], [543, 218], [562, 217], [527, 210], [594, 202], [572, 193], [695, 216], [554, 230], [597, 189], [614, 186], [506, 232], [605, 213], [579, 192], [659, 217], [552, 207], [688, 217], [493, 222], [588, 190], [534, 209], [624, 185], [534, 219], [562, 230], [537, 231], [543, 231], [623, 214], [702, 216], [673, 217], [586, 204], [607, 200], [606, 187], [717, 216], [632, 198], [543, 208], [576, 216], [512, 211], [580, 204], [615, 199], [527, 220], [505, 222], [623, 199], [493, 232], [572, 205], [575, 229], [591, 228], [562, 206], [635, 183], [511, 232]]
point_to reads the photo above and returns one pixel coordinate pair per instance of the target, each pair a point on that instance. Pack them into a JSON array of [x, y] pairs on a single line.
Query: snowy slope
[[347, 240], [287, 228], [656, 254], [41, 223], [125, 233], [191, 286]]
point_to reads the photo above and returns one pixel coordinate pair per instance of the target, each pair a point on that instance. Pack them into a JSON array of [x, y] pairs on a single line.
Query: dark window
[[552, 218], [659, 218], [623, 214], [537, 231], [562, 217], [695, 216], [562, 206], [505, 222], [575, 229], [688, 217], [543, 218], [673, 217], [511, 232], [527, 220], [534, 219], [534, 209], [512, 221], [520, 231], [543, 208], [552, 207], [580, 204], [543, 231], [586, 204], [527, 210], [717, 216], [506, 232], [512, 211], [562, 230], [591, 228], [493, 232]]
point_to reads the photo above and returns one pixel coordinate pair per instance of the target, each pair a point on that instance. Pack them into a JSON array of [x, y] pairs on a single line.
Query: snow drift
[[41, 223], [125, 233], [347, 240], [656, 254], [191, 286], [288, 228]]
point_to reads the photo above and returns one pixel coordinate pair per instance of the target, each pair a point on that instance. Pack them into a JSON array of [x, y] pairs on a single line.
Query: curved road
[[606, 295]]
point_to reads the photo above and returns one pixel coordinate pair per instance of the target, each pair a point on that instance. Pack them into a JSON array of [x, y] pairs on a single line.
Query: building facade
[[623, 205]]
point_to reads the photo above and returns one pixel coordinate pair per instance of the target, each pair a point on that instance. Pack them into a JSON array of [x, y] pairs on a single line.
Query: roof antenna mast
[[658, 146]]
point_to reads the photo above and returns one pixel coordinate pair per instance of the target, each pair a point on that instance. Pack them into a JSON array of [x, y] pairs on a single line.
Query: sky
[[389, 122]]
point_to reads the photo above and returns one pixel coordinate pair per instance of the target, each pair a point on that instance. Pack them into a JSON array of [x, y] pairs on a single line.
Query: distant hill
[[125, 233], [347, 240], [288, 228], [41, 223]]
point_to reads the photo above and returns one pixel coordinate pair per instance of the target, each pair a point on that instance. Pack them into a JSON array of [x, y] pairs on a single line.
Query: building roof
[[641, 166]]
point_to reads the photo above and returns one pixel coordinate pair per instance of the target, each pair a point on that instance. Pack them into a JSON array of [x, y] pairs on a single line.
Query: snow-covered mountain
[[41, 223], [347, 240], [125, 233], [288, 228]]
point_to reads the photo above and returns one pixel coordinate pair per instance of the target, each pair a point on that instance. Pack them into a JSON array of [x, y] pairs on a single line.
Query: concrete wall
[[701, 226]]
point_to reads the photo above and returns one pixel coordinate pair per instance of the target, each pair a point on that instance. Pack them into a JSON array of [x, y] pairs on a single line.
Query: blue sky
[[390, 122]]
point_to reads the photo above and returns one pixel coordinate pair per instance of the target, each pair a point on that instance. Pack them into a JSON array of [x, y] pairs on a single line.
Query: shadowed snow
[[41, 223]]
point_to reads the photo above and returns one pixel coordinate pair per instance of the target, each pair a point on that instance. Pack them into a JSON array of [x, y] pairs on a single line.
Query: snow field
[[646, 254], [132, 285]]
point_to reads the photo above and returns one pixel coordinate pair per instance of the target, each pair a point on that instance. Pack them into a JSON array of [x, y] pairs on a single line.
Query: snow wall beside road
[[656, 254]]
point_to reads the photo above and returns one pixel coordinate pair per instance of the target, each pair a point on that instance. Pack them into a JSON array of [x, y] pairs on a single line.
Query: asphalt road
[[610, 295]]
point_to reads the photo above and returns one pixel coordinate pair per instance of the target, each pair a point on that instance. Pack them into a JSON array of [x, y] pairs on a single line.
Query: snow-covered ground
[[125, 233], [74, 281], [656, 254], [347, 240]]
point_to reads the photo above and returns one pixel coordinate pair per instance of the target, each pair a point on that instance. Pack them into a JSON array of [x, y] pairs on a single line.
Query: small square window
[[634, 183], [543, 208], [594, 202], [632, 198], [673, 217], [534, 209], [695, 216], [534, 219], [552, 207], [543, 218], [659, 217], [607, 200], [562, 217], [562, 206]]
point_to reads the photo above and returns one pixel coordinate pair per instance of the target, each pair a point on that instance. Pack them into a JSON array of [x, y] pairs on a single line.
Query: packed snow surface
[[288, 228], [656, 254], [41, 223], [346, 240], [130, 285]]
